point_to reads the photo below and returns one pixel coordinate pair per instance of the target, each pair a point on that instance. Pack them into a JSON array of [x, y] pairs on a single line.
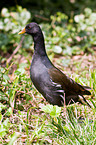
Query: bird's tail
[[85, 90]]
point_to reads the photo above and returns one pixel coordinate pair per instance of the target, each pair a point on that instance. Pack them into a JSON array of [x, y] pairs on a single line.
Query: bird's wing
[[69, 85]]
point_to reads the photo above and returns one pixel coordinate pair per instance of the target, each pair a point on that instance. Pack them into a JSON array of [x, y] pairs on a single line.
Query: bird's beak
[[22, 32]]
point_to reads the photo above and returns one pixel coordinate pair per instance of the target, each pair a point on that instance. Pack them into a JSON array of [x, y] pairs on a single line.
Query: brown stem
[[15, 51]]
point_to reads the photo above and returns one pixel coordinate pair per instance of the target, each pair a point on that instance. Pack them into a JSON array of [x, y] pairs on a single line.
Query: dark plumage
[[50, 81]]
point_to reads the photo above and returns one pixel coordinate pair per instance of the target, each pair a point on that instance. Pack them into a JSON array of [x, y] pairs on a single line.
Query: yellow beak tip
[[22, 32], [19, 33]]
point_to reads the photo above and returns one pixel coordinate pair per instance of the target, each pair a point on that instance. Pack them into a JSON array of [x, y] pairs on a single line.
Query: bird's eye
[[28, 27]]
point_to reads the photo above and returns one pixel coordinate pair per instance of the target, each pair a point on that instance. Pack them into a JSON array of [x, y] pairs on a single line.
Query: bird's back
[[52, 83]]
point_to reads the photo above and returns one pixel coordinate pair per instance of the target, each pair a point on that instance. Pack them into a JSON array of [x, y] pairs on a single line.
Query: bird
[[55, 86]]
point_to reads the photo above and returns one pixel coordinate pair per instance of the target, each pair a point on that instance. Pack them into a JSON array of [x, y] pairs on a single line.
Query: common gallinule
[[54, 85]]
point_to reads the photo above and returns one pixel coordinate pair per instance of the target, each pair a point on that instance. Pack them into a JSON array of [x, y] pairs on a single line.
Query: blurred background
[[71, 22]]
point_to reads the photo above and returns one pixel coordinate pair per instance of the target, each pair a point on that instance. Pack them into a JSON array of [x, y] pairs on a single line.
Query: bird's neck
[[39, 45]]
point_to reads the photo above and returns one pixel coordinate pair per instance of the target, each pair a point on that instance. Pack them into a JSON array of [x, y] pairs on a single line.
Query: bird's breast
[[39, 75]]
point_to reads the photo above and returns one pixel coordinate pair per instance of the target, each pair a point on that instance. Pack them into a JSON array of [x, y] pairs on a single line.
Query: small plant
[[54, 111]]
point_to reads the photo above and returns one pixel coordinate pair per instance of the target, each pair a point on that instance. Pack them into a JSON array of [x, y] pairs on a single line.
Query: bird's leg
[[64, 100], [64, 106]]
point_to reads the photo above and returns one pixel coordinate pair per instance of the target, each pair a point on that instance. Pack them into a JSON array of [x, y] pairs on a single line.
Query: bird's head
[[31, 28]]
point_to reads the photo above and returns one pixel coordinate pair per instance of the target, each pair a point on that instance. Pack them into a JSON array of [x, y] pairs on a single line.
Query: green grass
[[24, 121]]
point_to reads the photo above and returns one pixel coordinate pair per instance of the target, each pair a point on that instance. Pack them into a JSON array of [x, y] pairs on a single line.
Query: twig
[[15, 51], [41, 17]]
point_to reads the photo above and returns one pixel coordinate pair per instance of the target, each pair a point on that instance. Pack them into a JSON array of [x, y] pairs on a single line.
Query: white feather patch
[[56, 84], [59, 89]]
